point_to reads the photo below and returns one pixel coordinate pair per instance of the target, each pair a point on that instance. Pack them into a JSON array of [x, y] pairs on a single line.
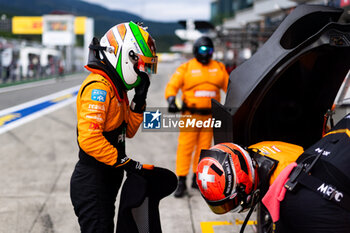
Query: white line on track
[[32, 84], [40, 113]]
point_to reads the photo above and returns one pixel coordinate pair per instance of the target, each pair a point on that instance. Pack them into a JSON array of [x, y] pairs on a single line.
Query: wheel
[[265, 224]]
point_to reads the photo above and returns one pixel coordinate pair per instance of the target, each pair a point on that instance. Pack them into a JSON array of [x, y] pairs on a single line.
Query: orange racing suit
[[199, 84], [104, 119]]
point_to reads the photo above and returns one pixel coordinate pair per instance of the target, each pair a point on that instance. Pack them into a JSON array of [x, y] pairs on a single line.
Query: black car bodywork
[[283, 91]]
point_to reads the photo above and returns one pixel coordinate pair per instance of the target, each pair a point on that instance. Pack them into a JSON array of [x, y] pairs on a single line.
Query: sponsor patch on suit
[[98, 95]]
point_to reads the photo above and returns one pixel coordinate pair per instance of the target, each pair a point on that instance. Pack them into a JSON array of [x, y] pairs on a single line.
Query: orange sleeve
[[91, 123], [134, 120], [226, 77], [176, 81]]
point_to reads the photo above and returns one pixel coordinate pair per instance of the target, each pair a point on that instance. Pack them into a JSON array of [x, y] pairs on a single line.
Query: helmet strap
[[97, 47]]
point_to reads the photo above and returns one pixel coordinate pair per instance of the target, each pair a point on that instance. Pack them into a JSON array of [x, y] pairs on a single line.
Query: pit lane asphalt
[[37, 160], [17, 94]]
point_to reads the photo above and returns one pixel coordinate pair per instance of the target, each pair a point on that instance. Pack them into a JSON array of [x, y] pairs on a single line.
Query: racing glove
[[132, 166], [138, 104], [172, 105]]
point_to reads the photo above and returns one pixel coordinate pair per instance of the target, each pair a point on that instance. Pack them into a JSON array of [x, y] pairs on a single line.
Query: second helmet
[[130, 49], [226, 178]]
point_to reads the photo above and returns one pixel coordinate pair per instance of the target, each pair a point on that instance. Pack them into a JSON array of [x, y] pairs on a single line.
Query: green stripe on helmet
[[120, 72], [119, 66], [140, 40]]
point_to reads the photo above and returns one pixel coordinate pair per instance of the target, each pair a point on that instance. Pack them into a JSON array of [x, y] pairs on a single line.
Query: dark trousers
[[307, 212], [93, 193]]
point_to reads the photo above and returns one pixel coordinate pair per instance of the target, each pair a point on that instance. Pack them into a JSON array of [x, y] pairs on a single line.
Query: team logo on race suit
[[98, 95], [152, 120], [98, 107], [94, 126]]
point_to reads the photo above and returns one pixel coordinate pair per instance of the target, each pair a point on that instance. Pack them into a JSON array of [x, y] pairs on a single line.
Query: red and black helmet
[[227, 177]]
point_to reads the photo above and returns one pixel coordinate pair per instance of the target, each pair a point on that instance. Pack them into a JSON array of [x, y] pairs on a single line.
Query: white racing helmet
[[130, 49]]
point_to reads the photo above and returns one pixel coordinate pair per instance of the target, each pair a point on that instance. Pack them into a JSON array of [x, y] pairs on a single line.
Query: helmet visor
[[205, 50], [147, 64]]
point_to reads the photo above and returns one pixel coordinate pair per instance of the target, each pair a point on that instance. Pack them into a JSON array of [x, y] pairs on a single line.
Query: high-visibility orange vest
[[199, 83]]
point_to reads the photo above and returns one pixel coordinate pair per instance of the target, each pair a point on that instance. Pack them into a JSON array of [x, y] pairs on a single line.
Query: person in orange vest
[[121, 61], [200, 80]]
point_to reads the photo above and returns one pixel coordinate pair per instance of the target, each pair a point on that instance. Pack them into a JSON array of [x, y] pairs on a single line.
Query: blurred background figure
[[200, 80]]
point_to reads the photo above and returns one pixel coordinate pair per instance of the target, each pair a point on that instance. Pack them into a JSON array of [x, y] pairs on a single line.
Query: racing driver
[[121, 61]]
